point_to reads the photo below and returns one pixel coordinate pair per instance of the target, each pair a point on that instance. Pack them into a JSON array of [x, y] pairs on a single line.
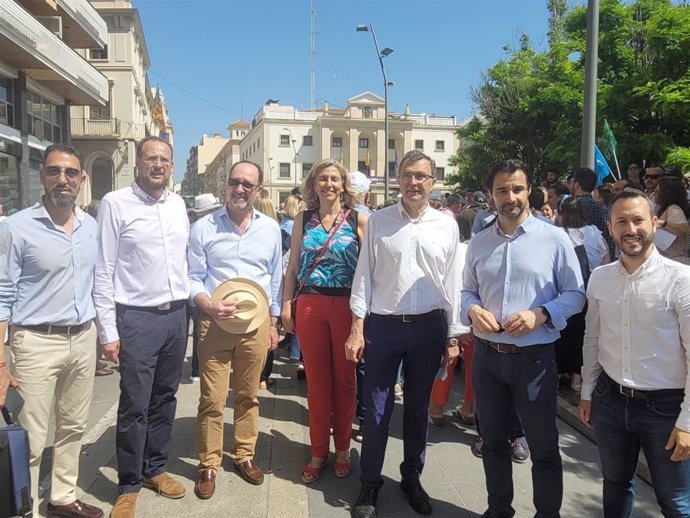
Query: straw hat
[[251, 301], [204, 202]]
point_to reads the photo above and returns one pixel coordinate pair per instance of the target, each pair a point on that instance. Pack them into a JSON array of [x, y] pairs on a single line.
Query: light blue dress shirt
[[46, 275], [218, 251], [535, 267]]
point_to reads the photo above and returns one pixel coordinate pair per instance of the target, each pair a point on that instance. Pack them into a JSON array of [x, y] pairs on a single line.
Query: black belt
[[512, 348], [644, 395], [164, 308], [413, 318], [58, 330]]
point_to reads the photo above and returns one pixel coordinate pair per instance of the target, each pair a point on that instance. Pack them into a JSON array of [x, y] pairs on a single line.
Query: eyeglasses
[[152, 160], [234, 184], [53, 171], [419, 177]]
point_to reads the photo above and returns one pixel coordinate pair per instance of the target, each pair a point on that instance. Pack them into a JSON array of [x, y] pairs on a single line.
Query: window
[[337, 142], [362, 166], [98, 112], [307, 140], [367, 112], [258, 143], [44, 118], [99, 54], [391, 143], [419, 144], [284, 171], [363, 143], [440, 145], [306, 167], [391, 169], [285, 140], [440, 173], [282, 196], [6, 101]]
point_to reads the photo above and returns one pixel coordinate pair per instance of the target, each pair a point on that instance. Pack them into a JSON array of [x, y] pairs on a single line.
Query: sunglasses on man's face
[[53, 171]]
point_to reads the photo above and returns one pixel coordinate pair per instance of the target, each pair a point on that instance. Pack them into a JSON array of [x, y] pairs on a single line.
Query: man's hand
[[523, 322], [6, 381], [220, 310], [354, 345], [286, 317], [112, 351], [585, 411], [272, 338], [483, 320], [451, 353], [679, 441]]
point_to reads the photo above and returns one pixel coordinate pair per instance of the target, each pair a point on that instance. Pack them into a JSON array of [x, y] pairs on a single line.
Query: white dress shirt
[[593, 240], [409, 267], [638, 328], [142, 253]]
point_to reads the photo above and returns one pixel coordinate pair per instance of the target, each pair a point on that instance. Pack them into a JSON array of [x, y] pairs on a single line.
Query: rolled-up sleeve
[[277, 277], [360, 298], [10, 270], [454, 288], [470, 288], [590, 348], [196, 259], [104, 287], [571, 288], [682, 308]]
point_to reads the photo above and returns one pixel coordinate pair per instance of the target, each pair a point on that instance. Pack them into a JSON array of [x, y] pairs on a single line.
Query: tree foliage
[[530, 103]]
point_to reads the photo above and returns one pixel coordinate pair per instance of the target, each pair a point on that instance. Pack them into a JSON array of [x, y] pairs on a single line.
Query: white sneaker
[[398, 390], [194, 379]]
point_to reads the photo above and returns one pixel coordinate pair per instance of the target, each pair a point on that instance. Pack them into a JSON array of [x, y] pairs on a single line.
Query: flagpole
[[615, 159]]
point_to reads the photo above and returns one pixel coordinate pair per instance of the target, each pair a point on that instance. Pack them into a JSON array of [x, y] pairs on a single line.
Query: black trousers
[[152, 348]]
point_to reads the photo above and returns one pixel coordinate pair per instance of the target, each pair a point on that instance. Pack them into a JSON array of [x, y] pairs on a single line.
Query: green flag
[[610, 139]]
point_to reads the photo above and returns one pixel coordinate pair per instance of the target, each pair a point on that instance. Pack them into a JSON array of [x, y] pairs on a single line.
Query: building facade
[[107, 134], [217, 172], [287, 142], [41, 73]]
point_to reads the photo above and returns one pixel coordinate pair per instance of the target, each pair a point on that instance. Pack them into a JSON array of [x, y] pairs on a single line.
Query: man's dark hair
[[507, 166], [62, 148], [629, 194], [572, 213], [452, 199], [140, 145], [296, 191], [586, 178], [258, 167], [536, 199], [415, 156], [559, 189]]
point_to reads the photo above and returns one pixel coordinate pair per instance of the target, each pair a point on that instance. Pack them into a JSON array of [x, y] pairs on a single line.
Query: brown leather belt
[[512, 348], [58, 330], [413, 318], [644, 395]]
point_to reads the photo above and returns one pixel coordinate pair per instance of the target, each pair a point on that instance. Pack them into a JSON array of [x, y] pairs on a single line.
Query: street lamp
[[381, 54], [294, 149]]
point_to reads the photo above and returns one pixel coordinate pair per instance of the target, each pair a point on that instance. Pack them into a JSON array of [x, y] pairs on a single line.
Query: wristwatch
[[452, 342], [546, 314]]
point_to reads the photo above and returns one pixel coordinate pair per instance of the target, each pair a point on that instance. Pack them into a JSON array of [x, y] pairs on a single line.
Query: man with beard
[[234, 241], [407, 286], [140, 294], [517, 306], [47, 260], [636, 378]]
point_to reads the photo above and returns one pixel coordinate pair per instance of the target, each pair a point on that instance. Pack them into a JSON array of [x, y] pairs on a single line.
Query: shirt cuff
[[108, 334], [457, 330]]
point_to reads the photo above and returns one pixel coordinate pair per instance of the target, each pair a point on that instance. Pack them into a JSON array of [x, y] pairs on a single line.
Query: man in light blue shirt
[[521, 282], [47, 259]]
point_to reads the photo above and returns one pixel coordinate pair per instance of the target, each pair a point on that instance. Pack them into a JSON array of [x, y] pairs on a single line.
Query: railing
[[108, 128], [87, 17], [19, 26]]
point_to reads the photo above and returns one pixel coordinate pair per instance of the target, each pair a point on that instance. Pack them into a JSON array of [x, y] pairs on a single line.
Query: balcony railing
[[82, 127]]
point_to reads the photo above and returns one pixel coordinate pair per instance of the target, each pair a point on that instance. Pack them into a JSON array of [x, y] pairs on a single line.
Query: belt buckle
[[500, 349], [626, 391], [404, 319], [50, 329], [69, 329], [164, 307]]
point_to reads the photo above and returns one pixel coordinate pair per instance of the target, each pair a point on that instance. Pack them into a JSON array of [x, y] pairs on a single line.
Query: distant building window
[[440, 145], [367, 112], [337, 142], [362, 166], [419, 144], [391, 143], [98, 112], [440, 173], [307, 140], [284, 171], [44, 118], [282, 196], [285, 140], [306, 167], [99, 54], [6, 104], [364, 143], [391, 169], [258, 143]]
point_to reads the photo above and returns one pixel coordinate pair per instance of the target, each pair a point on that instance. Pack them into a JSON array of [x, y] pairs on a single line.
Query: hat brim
[[231, 286], [210, 207]]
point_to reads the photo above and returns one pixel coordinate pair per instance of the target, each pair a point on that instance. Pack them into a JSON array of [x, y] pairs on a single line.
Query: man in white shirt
[[636, 363], [234, 241], [407, 285], [140, 293]]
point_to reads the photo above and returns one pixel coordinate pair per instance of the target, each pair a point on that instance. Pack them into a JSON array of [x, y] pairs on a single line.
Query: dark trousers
[[527, 381], [152, 348], [360, 411], [621, 427], [420, 346], [193, 315]]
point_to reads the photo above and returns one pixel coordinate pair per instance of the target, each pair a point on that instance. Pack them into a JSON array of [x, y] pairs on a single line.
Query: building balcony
[[107, 128], [82, 26], [31, 47]]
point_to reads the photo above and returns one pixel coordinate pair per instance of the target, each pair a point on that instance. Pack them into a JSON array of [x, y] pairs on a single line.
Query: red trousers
[[323, 325], [441, 390]]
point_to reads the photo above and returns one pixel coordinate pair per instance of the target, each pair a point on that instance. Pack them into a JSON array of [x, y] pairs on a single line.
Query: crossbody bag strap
[[323, 250]]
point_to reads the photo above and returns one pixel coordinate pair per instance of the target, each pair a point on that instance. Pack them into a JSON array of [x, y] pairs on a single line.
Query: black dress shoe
[[365, 506], [419, 500], [76, 509]]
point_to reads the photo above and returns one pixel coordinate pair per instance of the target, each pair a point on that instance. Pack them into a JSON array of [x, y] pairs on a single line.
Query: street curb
[[568, 413]]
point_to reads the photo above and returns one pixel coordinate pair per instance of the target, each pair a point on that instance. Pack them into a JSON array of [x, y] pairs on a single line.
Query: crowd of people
[[518, 284]]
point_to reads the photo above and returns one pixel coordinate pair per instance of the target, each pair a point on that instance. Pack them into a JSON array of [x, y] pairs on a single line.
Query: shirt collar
[[523, 228], [652, 262], [404, 215], [39, 211], [144, 196]]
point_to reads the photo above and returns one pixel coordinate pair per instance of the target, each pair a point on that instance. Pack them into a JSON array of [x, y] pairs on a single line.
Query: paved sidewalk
[[453, 476]]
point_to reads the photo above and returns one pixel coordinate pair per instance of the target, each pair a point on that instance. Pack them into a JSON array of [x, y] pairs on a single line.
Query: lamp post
[[589, 115], [294, 149], [381, 54]]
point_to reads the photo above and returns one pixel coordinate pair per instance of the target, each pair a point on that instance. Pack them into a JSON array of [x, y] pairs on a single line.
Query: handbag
[[317, 260], [15, 479]]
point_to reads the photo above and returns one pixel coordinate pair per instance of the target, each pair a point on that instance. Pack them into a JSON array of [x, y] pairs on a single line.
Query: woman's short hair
[[571, 213]]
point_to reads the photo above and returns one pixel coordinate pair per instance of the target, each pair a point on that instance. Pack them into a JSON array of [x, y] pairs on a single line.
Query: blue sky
[[216, 60]]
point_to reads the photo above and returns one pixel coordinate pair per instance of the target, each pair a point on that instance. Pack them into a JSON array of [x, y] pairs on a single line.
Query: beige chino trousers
[[54, 370]]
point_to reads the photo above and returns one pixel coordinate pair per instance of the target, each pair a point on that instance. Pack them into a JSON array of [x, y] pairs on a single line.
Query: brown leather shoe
[[165, 486], [205, 484], [76, 509], [251, 472], [125, 505]]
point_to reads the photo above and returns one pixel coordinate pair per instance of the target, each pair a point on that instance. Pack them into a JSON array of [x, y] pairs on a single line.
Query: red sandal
[[342, 469], [311, 474]]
